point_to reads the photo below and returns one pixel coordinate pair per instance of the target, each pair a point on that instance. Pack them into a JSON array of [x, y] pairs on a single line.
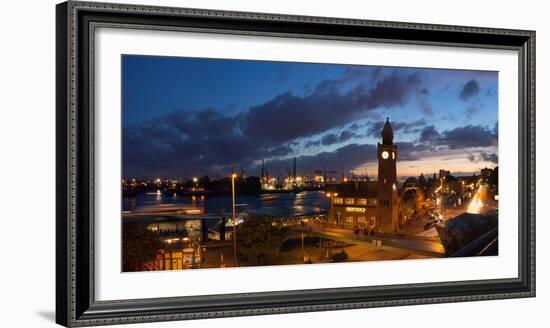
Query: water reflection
[[310, 202]]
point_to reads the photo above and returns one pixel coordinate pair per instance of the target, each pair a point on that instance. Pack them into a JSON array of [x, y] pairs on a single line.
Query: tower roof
[[387, 133]]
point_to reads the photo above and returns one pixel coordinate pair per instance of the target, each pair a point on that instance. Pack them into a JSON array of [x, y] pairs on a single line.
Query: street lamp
[[443, 189], [331, 197], [233, 176]]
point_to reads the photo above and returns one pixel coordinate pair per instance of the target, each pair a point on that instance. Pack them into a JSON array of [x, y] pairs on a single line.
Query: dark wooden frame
[[75, 303]]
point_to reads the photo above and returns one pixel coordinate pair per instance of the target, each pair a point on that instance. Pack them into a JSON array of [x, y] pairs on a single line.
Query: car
[[339, 257]]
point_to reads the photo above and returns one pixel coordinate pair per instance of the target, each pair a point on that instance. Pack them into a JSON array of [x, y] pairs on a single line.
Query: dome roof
[[411, 180]]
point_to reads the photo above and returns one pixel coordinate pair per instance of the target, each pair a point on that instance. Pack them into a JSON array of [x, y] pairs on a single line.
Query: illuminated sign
[[356, 209]]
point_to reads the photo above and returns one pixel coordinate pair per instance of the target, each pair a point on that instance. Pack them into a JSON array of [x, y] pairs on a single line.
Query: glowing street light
[[331, 197], [476, 204]]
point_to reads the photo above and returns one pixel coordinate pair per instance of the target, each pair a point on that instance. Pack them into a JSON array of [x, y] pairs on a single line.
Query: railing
[[479, 246]]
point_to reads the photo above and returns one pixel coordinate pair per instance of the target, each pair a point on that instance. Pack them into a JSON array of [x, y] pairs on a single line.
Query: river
[[279, 205]]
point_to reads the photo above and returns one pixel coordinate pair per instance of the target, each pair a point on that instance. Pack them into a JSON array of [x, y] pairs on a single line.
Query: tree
[[493, 180], [259, 236], [139, 245]]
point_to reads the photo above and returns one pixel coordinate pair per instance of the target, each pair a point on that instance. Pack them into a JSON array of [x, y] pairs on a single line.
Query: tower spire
[[294, 169], [387, 133], [263, 169]]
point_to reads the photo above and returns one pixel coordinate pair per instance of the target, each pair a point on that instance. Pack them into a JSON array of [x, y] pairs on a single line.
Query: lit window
[[338, 200], [350, 201], [349, 219], [362, 201]]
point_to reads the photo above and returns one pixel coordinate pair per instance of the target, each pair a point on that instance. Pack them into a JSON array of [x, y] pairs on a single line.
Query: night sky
[[185, 117]]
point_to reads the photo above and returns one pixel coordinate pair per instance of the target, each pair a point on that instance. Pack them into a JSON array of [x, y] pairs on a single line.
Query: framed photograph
[[214, 163]]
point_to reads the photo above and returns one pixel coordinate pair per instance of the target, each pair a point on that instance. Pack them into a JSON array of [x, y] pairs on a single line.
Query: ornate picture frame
[[77, 22]]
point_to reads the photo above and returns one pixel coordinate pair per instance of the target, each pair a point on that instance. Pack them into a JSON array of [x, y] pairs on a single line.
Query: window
[[362, 201], [338, 200], [361, 219], [349, 219], [371, 202], [350, 201]]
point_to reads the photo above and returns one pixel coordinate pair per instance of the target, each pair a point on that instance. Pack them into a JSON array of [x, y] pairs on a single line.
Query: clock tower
[[387, 201]]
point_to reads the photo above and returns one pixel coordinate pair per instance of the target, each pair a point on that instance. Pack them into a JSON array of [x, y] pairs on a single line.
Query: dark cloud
[[468, 136], [424, 103], [354, 127], [411, 151], [461, 137], [212, 140], [183, 142], [329, 139], [375, 129], [355, 155], [483, 157], [469, 90], [280, 151], [350, 156], [429, 134], [333, 138], [489, 157], [355, 72], [326, 107], [313, 143], [392, 90]]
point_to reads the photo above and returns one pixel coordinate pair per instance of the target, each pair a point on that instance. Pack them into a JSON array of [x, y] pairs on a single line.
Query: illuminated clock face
[[385, 155], [392, 155]]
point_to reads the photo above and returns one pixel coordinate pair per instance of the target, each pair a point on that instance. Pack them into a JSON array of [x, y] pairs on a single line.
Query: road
[[481, 202], [417, 245], [476, 203]]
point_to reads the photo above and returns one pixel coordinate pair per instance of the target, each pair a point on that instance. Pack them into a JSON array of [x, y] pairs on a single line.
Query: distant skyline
[[186, 117]]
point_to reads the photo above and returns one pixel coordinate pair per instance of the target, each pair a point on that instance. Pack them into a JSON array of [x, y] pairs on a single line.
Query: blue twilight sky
[[186, 117]]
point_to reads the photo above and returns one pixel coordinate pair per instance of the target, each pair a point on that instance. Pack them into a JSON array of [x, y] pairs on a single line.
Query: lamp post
[[331, 197], [233, 176], [443, 186]]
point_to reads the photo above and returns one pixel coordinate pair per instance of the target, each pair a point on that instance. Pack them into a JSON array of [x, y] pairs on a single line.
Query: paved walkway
[[419, 245]]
